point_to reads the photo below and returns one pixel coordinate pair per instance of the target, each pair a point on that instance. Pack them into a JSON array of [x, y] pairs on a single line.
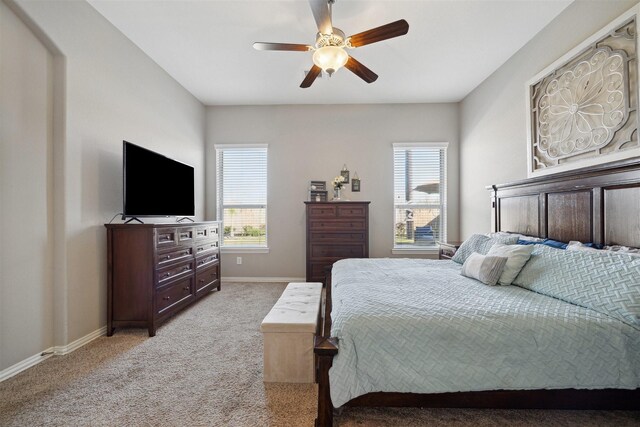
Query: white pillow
[[524, 237], [579, 246], [486, 269], [517, 255], [623, 250]]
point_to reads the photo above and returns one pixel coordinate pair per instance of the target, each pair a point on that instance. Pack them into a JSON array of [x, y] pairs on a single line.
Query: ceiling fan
[[329, 50]]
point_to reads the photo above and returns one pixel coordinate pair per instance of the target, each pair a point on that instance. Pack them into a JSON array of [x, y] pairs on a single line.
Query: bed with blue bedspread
[[419, 326]]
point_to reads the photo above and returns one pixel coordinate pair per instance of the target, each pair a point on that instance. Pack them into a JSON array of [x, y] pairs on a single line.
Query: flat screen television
[[155, 185]]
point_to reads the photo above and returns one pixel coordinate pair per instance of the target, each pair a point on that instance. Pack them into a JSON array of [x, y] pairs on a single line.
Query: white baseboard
[[59, 350], [25, 364], [264, 279]]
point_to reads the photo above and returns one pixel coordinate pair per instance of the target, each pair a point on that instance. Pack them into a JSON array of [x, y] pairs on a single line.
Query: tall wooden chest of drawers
[[155, 270], [335, 230]]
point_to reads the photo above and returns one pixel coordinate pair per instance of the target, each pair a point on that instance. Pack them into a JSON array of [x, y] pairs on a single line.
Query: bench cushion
[[296, 310]]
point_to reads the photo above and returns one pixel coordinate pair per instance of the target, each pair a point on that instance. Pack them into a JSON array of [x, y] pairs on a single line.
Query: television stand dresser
[[156, 270]]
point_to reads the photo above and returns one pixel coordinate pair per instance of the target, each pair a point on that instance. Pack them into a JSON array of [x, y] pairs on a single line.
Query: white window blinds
[[241, 174], [419, 194]]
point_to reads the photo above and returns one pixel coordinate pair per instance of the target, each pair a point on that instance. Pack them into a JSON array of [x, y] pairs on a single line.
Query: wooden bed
[[599, 205]]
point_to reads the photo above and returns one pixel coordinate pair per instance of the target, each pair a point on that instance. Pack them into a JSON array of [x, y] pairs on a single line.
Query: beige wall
[[111, 91], [312, 143], [493, 129], [26, 132]]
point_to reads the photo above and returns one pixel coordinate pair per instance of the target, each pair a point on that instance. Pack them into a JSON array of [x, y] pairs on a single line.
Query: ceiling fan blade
[[322, 15], [281, 46], [311, 76], [388, 31], [360, 70]]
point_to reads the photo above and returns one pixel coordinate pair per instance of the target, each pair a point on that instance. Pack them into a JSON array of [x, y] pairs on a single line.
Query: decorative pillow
[[522, 237], [554, 244], [623, 250], [484, 268], [528, 242], [603, 281], [481, 244], [547, 242], [517, 256], [579, 246]]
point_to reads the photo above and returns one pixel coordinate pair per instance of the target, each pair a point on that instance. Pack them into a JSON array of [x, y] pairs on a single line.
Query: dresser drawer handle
[[166, 298], [186, 288], [164, 238], [167, 274], [167, 257], [200, 249], [201, 280]]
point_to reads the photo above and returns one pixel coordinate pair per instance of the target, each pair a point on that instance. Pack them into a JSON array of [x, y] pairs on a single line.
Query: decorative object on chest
[[355, 183], [335, 230], [155, 270], [317, 191], [338, 182], [448, 249]]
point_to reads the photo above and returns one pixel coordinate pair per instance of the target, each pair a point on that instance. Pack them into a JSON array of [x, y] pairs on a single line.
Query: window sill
[[245, 250], [426, 250]]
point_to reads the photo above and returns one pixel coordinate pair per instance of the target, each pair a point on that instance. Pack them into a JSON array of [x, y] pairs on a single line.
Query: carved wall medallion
[[583, 109]]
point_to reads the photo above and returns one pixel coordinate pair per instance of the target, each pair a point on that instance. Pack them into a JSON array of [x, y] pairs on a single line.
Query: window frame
[[220, 203], [420, 249]]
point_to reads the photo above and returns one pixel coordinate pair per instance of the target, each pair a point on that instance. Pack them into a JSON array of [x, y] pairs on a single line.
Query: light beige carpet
[[204, 368]]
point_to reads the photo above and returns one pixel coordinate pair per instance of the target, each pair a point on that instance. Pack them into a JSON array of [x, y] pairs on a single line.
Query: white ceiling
[[451, 47]]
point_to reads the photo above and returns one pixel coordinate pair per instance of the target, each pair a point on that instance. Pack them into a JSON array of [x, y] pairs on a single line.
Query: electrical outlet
[[239, 260]]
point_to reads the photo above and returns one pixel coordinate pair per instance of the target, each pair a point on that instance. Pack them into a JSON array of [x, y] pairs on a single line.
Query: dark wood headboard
[[600, 205]]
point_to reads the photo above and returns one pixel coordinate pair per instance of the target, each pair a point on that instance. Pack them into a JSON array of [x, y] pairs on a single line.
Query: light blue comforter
[[419, 326]]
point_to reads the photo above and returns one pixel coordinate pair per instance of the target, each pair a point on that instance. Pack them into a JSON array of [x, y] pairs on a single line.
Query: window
[[241, 174], [419, 194]]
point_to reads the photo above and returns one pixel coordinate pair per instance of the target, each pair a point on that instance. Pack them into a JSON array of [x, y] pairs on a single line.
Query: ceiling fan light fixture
[[330, 58]]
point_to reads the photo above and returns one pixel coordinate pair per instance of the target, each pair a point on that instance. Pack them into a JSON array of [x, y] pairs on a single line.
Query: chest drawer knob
[[166, 298], [186, 288]]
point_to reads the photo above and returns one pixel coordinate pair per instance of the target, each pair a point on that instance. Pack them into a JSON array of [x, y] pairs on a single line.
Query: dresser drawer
[[166, 237], [336, 236], [171, 272], [213, 231], [205, 278], [344, 250], [207, 247], [322, 211], [205, 261], [351, 211], [210, 232], [185, 235], [201, 233], [171, 255], [179, 292], [346, 225]]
